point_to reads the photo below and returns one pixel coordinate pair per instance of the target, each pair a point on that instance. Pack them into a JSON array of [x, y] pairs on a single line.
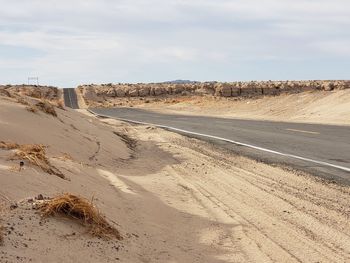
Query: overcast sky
[[66, 43]]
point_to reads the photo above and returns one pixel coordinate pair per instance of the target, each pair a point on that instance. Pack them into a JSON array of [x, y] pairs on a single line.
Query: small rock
[[40, 197], [13, 206]]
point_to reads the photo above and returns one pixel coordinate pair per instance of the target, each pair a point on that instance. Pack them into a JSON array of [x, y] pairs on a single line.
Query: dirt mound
[[36, 98], [80, 209], [34, 91]]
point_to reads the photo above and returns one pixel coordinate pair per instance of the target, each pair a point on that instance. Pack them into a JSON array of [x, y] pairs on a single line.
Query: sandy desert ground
[[173, 199]]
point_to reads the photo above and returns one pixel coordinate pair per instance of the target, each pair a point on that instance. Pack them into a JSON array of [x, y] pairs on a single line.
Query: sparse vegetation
[[34, 153], [60, 105], [83, 210], [46, 107], [32, 108], [43, 105], [22, 101], [1, 235], [130, 142], [5, 93]]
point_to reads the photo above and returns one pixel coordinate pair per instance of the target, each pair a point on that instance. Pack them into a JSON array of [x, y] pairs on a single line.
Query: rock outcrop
[[99, 93]]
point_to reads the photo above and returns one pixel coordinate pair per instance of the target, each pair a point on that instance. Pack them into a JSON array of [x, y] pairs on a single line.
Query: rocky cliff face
[[98, 93]]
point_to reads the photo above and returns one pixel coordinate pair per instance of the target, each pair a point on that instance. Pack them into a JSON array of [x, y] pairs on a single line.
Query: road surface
[[70, 98], [322, 150]]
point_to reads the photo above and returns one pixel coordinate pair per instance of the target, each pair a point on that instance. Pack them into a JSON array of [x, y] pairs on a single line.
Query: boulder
[[144, 91], [223, 89], [133, 91], [119, 91], [178, 89], [327, 86], [90, 94], [110, 92], [158, 91]]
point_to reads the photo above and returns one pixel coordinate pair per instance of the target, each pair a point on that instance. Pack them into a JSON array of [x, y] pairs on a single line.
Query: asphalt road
[[70, 98], [322, 150]]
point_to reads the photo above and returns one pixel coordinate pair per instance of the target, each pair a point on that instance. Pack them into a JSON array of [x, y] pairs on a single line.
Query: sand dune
[[172, 198]]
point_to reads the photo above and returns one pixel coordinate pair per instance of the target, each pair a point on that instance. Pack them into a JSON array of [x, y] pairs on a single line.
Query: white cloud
[[133, 40]]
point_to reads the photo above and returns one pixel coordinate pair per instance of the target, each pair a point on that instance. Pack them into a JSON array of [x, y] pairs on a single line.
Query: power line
[[33, 79]]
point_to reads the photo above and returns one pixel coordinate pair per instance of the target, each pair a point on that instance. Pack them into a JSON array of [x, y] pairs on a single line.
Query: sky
[[67, 43]]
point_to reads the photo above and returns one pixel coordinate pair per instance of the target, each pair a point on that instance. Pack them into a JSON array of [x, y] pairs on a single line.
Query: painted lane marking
[[310, 132], [228, 140]]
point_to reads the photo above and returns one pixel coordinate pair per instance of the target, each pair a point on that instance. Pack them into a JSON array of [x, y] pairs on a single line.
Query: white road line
[[230, 141], [310, 132]]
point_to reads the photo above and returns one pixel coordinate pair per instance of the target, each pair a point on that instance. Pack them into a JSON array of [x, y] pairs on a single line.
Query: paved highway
[[322, 150], [70, 98]]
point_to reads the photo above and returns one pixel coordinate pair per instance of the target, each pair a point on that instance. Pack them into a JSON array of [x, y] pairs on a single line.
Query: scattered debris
[[81, 209], [34, 153]]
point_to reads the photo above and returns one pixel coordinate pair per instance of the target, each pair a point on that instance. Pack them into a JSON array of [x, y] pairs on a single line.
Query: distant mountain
[[181, 81]]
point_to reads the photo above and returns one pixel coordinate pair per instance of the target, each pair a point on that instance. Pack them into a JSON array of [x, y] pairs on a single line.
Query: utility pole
[[33, 79]]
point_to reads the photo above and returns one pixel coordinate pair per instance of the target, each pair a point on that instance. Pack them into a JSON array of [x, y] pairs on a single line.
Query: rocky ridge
[[101, 92]]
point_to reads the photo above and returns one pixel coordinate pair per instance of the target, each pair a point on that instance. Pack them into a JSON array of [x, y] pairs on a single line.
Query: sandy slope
[[174, 199], [328, 107]]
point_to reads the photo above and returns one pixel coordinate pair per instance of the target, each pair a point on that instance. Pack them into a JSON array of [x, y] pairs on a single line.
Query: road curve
[[322, 150], [70, 98]]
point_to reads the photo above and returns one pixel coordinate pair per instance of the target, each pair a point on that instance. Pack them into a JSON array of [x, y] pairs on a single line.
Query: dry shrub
[[130, 142], [32, 108], [43, 106], [46, 107], [8, 145], [60, 105], [22, 101], [80, 209], [34, 153], [1, 235], [5, 93], [65, 157]]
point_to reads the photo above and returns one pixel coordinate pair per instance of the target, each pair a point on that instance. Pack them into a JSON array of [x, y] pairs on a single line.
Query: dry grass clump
[[81, 209], [1, 235], [130, 142], [5, 93], [32, 108], [46, 107], [60, 104], [22, 101], [34, 153], [8, 145]]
